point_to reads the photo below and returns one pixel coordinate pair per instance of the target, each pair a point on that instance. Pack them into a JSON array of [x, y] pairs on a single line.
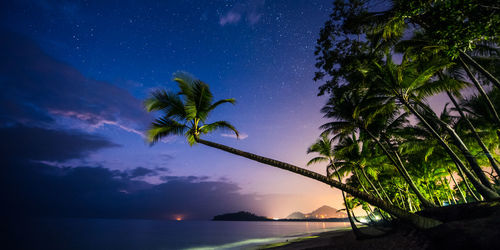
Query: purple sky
[[74, 73]]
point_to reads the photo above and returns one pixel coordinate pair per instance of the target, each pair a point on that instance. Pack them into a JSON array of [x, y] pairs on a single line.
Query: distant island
[[322, 214], [240, 216]]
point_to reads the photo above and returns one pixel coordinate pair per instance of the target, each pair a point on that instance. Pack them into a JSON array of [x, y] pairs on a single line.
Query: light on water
[[172, 234], [240, 244]]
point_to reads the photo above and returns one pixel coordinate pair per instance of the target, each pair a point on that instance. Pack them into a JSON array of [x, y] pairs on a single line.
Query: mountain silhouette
[[324, 212]]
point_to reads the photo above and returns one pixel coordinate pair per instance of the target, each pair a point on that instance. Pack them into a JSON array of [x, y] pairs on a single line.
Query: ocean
[[156, 234]]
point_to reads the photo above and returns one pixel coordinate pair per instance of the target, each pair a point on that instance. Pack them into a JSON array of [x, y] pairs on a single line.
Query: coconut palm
[[356, 154], [411, 85], [324, 148], [356, 109], [185, 113], [420, 48]]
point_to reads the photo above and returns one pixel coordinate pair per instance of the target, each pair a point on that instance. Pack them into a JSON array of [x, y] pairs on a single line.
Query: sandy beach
[[344, 239]]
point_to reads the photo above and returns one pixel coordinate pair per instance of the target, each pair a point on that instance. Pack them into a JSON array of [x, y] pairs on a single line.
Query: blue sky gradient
[[91, 63]]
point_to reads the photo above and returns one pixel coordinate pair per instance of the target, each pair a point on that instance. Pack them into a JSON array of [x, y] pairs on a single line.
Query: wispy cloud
[[93, 121], [249, 9], [243, 136], [253, 17], [230, 18], [39, 87]]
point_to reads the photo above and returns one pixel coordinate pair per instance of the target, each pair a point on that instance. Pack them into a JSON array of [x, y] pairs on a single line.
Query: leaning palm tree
[[185, 113]]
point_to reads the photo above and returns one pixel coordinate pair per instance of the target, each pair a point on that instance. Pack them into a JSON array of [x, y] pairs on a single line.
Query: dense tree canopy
[[381, 62]]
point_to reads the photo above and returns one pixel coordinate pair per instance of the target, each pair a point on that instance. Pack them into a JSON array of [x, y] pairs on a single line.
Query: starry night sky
[[73, 76]]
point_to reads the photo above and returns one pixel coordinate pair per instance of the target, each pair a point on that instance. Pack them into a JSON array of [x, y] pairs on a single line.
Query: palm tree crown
[[186, 112]]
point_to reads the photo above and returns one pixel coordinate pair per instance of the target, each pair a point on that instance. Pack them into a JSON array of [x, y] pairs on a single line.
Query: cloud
[[250, 9], [242, 136], [230, 18], [43, 88], [39, 144], [253, 17], [30, 187], [95, 192], [139, 172]]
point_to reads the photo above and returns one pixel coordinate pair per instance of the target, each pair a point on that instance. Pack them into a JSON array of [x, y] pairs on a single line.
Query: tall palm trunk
[[469, 188], [357, 233], [462, 147], [429, 191], [360, 181], [478, 67], [483, 190], [482, 92], [402, 198], [467, 154], [416, 220], [385, 193], [447, 183], [408, 199], [475, 134], [456, 185], [370, 182], [402, 171]]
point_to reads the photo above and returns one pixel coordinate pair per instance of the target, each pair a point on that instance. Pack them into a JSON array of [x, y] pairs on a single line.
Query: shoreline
[[310, 241], [345, 239]]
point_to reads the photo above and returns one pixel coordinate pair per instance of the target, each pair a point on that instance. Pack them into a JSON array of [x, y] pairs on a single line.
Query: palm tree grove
[[412, 113]]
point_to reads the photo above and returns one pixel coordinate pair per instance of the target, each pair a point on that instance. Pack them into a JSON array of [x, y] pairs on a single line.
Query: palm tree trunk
[[371, 183], [475, 134], [355, 218], [408, 199], [469, 188], [478, 67], [401, 198], [462, 147], [357, 233], [385, 193], [436, 195], [483, 190], [447, 183], [369, 217], [402, 171], [431, 193], [416, 220], [360, 182], [467, 154], [456, 185], [482, 92]]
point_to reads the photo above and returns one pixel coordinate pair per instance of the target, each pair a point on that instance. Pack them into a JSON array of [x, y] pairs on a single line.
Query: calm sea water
[[156, 235]]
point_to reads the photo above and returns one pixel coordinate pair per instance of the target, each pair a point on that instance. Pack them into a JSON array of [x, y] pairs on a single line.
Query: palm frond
[[163, 127], [219, 102], [184, 81], [317, 159], [219, 125], [199, 102], [169, 102]]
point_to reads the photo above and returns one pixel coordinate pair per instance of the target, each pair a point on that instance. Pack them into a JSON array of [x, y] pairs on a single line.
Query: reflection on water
[[150, 234]]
